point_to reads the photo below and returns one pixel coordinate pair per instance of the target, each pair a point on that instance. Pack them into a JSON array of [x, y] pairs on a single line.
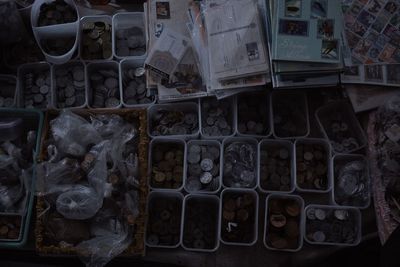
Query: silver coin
[[193, 184], [112, 102], [194, 158], [206, 178], [311, 214], [341, 215], [206, 164], [320, 214], [319, 236], [195, 149], [139, 71]]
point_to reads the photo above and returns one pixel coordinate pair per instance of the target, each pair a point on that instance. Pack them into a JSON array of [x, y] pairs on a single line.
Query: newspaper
[[367, 97], [235, 39]]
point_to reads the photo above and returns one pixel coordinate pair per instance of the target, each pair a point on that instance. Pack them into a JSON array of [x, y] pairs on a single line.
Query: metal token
[[206, 178], [206, 165]]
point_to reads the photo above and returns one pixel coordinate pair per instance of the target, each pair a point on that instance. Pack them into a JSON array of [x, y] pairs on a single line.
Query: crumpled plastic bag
[[12, 198], [98, 251], [73, 133]]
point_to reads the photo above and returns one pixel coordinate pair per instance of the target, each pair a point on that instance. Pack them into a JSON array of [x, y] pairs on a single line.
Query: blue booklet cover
[[307, 30]]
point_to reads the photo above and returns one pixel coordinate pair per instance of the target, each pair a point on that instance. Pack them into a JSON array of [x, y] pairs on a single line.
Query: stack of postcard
[[305, 42], [372, 42], [202, 48]]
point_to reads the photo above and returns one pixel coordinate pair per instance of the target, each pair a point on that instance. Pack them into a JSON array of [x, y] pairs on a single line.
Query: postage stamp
[[373, 73], [329, 49], [293, 27], [391, 7], [366, 18], [359, 29], [375, 6], [319, 9], [163, 11], [387, 53], [352, 71], [374, 52], [325, 28], [293, 8], [393, 73], [352, 39]]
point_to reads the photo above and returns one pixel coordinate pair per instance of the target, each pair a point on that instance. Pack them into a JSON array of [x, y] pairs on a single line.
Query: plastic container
[[181, 107], [230, 140], [32, 120], [167, 141], [55, 88], [55, 31], [202, 143], [354, 211], [102, 18], [9, 93], [298, 100], [256, 208], [256, 95], [301, 223], [24, 69], [267, 144], [341, 160], [346, 112], [166, 196], [93, 67], [232, 104], [213, 204], [325, 144], [127, 20], [123, 66]]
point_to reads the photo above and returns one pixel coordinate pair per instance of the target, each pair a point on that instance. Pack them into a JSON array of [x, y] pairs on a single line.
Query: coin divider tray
[[266, 144], [345, 158], [13, 95], [34, 68], [256, 210], [323, 113], [93, 67], [267, 97], [229, 140], [214, 143], [123, 65], [233, 119], [355, 211], [33, 120], [301, 97], [301, 224], [55, 31], [329, 173], [96, 18], [164, 195], [54, 84], [184, 107], [166, 140], [124, 20], [206, 198]]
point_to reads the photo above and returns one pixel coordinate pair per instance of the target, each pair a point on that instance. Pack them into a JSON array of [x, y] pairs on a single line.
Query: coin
[[206, 178], [206, 164]]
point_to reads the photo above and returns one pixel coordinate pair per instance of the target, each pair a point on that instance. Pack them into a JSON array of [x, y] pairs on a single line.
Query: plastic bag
[[107, 125], [79, 203], [132, 202], [98, 251], [97, 177], [12, 197], [73, 134]]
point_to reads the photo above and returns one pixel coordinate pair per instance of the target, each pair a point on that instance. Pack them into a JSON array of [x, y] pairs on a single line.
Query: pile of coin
[[134, 87], [253, 115], [174, 122], [104, 85], [203, 167], [10, 227], [312, 166], [283, 229], [238, 217], [7, 92], [216, 117], [37, 89], [240, 164], [70, 86], [56, 12], [200, 225], [96, 40], [167, 165], [352, 183], [58, 46], [341, 136], [330, 225], [275, 168], [164, 224], [130, 42], [289, 115]]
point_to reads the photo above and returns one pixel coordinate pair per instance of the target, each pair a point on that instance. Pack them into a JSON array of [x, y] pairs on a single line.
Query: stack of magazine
[[305, 42], [203, 48]]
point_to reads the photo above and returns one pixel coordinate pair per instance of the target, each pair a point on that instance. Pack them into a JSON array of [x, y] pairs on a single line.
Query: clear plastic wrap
[[79, 203], [132, 202], [97, 177], [98, 251], [73, 134]]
